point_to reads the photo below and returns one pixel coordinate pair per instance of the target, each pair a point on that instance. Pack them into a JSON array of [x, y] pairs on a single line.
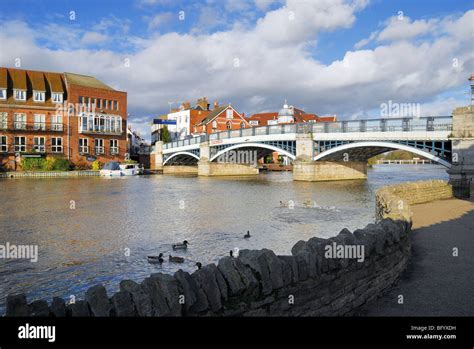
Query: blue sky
[[342, 57]]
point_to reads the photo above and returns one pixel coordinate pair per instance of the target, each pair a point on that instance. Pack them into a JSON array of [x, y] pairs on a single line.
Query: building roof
[[3, 78], [55, 81], [86, 81], [37, 80], [18, 78], [213, 114]]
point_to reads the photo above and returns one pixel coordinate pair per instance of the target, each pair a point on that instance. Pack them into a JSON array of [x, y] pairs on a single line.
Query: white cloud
[[160, 19], [401, 29], [272, 64], [92, 38]]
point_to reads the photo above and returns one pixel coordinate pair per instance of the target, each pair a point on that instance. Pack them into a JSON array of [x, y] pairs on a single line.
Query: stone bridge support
[[461, 173], [210, 169], [156, 157], [305, 169]]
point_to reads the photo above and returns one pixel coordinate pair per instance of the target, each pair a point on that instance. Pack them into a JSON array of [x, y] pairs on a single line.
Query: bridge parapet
[[440, 124]]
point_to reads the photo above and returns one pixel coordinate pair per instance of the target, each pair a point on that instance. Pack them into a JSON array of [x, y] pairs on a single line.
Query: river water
[[99, 230]]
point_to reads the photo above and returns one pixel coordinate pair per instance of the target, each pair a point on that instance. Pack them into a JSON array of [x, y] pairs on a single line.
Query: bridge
[[319, 151]]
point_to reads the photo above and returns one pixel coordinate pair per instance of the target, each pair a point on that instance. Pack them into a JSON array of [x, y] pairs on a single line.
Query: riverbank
[[437, 282]]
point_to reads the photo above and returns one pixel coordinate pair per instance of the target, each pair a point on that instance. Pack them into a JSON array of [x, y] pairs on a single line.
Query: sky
[[328, 57]]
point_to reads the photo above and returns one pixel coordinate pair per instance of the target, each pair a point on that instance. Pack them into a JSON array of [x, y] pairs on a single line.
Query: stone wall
[[309, 282], [207, 168], [394, 201]]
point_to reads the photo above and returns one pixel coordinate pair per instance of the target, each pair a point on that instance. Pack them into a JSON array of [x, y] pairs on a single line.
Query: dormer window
[[20, 95], [38, 96], [229, 114], [57, 97], [3, 93]]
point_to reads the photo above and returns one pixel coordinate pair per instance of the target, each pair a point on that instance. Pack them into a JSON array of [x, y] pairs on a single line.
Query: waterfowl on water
[[182, 246], [246, 236], [231, 253], [156, 259], [176, 259], [198, 265]]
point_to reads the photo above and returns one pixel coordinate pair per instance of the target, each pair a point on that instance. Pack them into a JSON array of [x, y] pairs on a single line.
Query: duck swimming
[[182, 246], [231, 253], [247, 236], [156, 259], [176, 259], [198, 265]]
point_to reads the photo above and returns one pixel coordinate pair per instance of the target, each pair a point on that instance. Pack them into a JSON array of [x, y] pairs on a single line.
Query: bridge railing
[[433, 123]]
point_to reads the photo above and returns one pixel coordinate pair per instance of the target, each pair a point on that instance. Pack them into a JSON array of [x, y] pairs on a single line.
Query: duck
[[199, 265], [176, 259], [156, 259], [231, 253], [247, 236], [181, 246]]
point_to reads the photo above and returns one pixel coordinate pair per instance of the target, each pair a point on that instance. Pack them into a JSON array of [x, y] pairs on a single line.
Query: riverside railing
[[429, 124]]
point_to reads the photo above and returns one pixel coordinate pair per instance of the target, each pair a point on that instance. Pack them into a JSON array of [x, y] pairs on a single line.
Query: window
[[242, 125], [20, 144], [229, 114], [3, 93], [57, 145], [114, 150], [105, 104], [99, 146], [83, 146], [3, 144], [39, 96], [20, 121], [3, 121], [40, 123], [81, 100], [20, 95], [116, 105], [99, 123], [99, 103], [39, 144], [214, 124], [58, 97], [229, 125], [56, 123]]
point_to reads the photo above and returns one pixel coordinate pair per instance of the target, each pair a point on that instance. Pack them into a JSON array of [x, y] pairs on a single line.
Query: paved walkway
[[435, 282]]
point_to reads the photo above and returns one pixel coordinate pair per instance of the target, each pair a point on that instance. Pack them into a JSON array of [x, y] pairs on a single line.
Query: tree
[[165, 135]]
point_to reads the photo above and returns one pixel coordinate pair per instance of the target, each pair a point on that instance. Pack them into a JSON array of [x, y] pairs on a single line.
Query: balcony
[[20, 126]]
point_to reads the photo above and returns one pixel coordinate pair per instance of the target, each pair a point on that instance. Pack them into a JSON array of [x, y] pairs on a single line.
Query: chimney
[[202, 102], [186, 105], [216, 104]]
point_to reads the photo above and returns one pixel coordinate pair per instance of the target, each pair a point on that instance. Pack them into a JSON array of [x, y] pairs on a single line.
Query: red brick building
[[221, 119], [67, 115]]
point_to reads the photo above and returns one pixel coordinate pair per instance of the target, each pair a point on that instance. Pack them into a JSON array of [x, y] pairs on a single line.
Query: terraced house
[[60, 114]]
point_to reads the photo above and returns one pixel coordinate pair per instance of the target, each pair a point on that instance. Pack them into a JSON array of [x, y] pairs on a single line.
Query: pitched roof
[[37, 80], [213, 114], [86, 80], [55, 82], [3, 78], [18, 78]]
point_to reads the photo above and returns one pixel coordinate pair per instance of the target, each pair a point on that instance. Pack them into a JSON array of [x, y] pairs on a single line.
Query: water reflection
[[145, 215]]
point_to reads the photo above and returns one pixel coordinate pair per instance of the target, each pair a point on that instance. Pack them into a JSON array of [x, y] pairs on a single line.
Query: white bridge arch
[[253, 145], [179, 154], [377, 144]]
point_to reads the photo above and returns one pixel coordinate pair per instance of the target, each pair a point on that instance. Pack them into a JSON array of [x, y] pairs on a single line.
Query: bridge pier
[[305, 169], [461, 174], [180, 170], [210, 169], [156, 157], [319, 171]]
